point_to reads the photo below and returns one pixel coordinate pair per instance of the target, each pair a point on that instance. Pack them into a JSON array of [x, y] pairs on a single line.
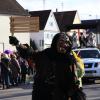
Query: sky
[[87, 9]]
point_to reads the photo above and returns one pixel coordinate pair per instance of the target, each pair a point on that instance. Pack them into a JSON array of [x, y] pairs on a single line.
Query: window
[[88, 53], [41, 43], [51, 35], [51, 23], [47, 36]]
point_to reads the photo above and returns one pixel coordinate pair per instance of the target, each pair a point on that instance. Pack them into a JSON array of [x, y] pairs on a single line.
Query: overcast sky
[[87, 9]]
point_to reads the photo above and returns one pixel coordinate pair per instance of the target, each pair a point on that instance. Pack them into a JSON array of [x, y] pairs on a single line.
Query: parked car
[[91, 59]]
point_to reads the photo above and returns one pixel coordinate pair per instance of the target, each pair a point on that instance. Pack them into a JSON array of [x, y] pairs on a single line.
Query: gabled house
[[10, 8], [65, 18], [50, 24], [48, 28]]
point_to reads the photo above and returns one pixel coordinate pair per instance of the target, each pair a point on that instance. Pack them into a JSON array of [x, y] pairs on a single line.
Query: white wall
[[5, 33], [77, 19], [45, 36], [48, 36], [37, 37], [51, 24], [23, 37]]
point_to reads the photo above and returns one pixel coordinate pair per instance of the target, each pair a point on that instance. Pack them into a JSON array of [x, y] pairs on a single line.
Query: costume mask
[[63, 44]]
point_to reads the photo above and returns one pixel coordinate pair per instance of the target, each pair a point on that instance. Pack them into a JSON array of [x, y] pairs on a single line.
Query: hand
[[13, 40], [24, 50]]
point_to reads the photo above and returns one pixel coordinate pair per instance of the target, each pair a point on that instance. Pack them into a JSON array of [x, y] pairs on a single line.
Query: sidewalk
[[21, 92]]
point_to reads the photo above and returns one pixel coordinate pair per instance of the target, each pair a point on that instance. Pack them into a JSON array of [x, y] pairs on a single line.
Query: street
[[92, 91], [23, 92]]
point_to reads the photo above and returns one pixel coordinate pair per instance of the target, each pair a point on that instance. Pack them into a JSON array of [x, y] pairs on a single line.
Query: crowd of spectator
[[84, 40], [14, 70]]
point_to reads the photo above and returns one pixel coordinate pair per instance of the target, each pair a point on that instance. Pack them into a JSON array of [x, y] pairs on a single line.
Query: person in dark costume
[[55, 77], [82, 40]]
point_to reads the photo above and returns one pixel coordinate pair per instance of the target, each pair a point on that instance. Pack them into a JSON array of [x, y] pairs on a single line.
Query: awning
[[81, 26]]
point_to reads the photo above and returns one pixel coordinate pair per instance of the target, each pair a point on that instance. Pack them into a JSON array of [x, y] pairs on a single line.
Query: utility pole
[[43, 4], [62, 5]]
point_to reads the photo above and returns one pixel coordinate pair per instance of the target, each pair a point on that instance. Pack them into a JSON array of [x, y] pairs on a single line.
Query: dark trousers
[[5, 79], [23, 78]]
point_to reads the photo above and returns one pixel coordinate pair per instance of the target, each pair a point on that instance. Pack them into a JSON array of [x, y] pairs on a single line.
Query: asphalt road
[[92, 91], [23, 92]]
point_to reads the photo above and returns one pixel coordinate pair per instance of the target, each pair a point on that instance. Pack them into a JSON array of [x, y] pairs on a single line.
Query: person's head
[[61, 43], [12, 56], [3, 55]]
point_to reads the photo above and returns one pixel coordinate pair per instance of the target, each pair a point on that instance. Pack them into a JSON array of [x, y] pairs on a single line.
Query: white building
[[50, 24], [10, 8], [48, 28]]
